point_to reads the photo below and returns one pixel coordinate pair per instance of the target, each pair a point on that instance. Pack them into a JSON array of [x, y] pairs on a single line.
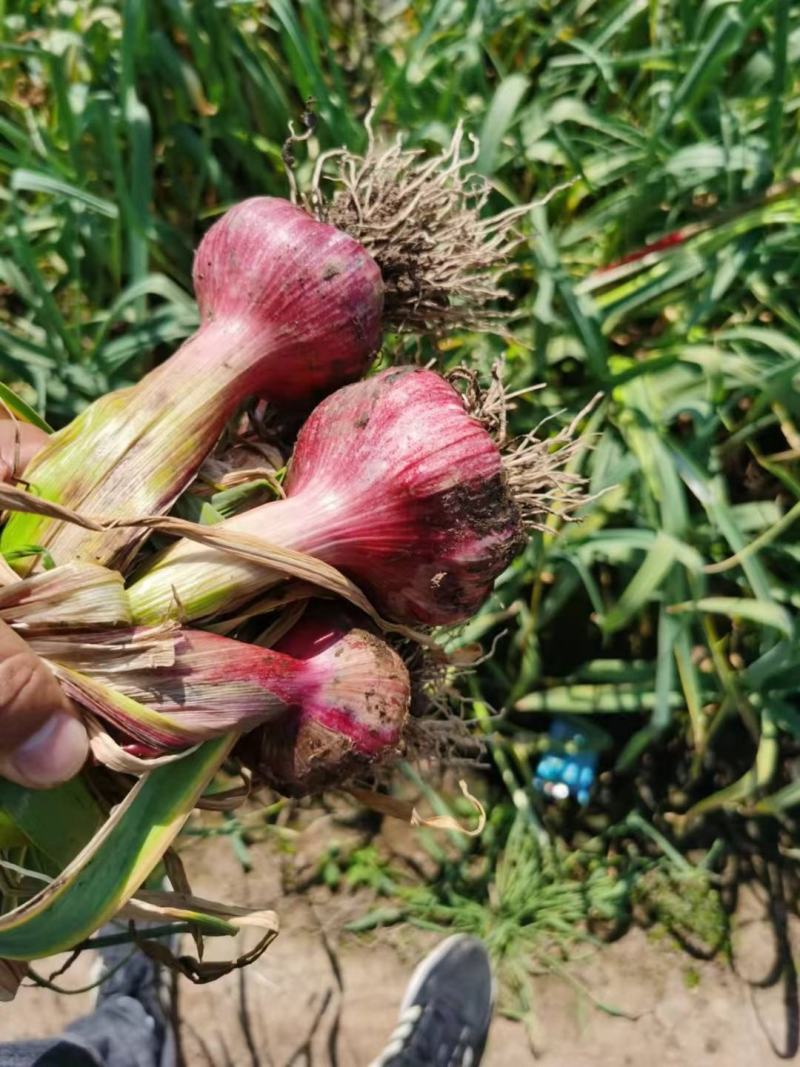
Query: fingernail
[[55, 753]]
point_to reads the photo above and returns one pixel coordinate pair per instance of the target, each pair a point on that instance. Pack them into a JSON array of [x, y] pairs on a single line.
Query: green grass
[[123, 132], [537, 905]]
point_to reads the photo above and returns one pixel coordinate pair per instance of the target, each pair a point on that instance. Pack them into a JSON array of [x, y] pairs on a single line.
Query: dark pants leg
[[119, 1034]]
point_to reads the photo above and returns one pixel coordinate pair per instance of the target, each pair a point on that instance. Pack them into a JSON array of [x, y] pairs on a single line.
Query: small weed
[[686, 907]]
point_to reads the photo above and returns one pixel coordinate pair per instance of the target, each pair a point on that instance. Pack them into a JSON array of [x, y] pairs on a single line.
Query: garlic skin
[[354, 718], [391, 481], [332, 695], [290, 309], [423, 519], [310, 294]]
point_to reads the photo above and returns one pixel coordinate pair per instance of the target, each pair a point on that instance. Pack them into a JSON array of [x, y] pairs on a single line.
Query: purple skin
[[306, 298], [424, 520], [391, 481], [355, 719], [331, 683], [290, 308]]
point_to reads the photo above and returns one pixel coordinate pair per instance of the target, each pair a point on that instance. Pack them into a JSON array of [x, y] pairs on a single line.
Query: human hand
[[42, 741], [19, 443]]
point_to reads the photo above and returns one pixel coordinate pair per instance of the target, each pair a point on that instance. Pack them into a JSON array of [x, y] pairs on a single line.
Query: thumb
[[19, 443], [42, 741]]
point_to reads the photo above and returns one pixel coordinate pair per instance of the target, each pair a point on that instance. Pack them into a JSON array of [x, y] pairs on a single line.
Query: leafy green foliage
[[536, 904]]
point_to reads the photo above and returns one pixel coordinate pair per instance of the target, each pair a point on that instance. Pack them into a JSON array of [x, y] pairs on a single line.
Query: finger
[[19, 443], [42, 742]]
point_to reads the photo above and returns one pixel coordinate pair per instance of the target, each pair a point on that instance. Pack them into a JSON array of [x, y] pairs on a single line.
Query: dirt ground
[[320, 997]]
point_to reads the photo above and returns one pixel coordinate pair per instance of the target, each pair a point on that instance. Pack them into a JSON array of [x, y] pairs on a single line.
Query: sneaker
[[445, 1014]]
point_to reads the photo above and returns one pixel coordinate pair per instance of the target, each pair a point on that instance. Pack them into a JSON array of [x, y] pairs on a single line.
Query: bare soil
[[323, 997]]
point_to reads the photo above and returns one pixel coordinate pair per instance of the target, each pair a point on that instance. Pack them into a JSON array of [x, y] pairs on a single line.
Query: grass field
[[664, 275]]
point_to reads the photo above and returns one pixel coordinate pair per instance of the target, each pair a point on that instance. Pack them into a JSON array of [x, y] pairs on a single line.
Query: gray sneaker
[[445, 1014]]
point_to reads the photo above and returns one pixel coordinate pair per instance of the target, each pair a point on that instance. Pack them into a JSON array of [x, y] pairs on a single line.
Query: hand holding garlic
[[42, 742]]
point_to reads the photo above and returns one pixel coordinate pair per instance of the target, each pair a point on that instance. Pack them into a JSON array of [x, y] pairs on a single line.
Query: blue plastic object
[[562, 774]]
